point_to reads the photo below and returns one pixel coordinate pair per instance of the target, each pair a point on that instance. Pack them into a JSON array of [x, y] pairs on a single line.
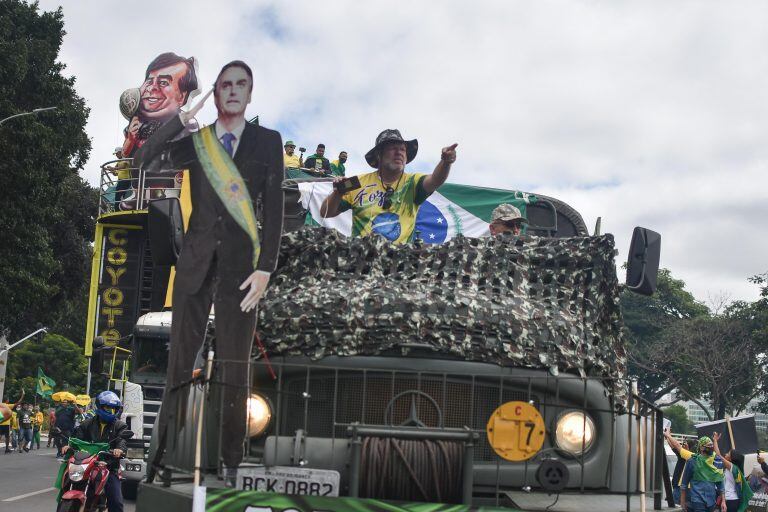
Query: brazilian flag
[[45, 384]]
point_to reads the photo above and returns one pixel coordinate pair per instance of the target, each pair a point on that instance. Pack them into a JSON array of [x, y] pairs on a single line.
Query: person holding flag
[[703, 480], [737, 490]]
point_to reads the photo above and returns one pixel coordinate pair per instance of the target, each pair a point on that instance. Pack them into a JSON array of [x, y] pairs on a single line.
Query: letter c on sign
[[518, 411], [117, 236]]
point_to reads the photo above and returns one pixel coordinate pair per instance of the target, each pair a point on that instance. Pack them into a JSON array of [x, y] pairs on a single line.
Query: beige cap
[[507, 212]]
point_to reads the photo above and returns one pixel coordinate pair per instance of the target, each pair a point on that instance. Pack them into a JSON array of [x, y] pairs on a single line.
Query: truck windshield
[[150, 357]]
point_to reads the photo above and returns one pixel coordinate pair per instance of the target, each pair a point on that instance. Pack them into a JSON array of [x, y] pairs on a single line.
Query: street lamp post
[[4, 349], [36, 111]]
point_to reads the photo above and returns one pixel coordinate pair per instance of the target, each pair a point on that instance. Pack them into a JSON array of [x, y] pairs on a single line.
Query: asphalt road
[[26, 481]]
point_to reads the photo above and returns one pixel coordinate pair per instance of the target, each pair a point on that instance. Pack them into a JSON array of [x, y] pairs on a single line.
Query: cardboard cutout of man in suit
[[220, 261]]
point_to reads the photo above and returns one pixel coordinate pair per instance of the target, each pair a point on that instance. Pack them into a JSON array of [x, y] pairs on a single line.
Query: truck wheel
[[130, 489]]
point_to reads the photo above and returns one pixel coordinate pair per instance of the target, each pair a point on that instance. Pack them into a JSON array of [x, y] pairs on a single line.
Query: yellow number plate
[[516, 431]]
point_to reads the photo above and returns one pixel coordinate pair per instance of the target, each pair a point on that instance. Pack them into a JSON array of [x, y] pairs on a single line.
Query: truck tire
[[130, 489]]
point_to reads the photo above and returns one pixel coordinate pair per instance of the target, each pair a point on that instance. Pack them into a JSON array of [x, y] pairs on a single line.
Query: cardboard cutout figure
[[232, 164]]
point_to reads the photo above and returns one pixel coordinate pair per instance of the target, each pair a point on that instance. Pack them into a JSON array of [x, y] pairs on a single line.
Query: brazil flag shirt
[[397, 223]]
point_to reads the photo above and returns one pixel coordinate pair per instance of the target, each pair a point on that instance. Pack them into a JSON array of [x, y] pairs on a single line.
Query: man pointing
[[388, 199]]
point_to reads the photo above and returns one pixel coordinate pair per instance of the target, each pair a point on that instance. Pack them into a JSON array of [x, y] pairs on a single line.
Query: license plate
[[289, 480]]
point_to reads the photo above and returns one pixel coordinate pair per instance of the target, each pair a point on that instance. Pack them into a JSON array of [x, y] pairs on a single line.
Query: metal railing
[[136, 192], [324, 415]]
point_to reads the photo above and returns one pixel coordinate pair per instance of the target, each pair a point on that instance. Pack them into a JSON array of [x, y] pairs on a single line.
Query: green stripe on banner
[[231, 500], [480, 201]]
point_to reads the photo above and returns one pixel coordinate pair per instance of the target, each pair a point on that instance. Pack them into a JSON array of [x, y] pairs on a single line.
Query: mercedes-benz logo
[[413, 419]]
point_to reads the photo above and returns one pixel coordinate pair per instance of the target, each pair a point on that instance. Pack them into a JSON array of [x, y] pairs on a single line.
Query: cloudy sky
[[647, 113]]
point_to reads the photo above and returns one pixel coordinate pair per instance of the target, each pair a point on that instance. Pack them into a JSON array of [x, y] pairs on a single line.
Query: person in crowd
[[290, 159], [702, 480], [65, 422], [389, 197], [677, 473], [51, 425], [737, 489], [26, 419], [122, 170], [7, 418], [37, 425], [232, 163], [506, 219], [15, 434], [337, 166], [763, 464], [317, 161], [106, 427]]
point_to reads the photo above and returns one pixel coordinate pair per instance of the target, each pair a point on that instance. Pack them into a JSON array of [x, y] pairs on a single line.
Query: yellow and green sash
[[225, 178]]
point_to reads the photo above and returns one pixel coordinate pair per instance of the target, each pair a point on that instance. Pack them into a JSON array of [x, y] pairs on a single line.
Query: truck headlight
[[76, 471], [259, 414], [575, 432]]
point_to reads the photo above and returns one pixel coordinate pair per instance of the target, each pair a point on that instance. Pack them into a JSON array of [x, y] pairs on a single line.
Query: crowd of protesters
[[22, 423], [317, 162], [705, 479]]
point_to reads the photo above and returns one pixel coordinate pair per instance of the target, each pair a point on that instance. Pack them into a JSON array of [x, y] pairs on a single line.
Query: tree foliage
[[61, 359], [647, 319], [47, 219], [681, 424], [677, 344]]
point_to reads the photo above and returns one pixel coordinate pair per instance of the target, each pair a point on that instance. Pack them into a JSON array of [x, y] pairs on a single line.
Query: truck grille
[[357, 397]]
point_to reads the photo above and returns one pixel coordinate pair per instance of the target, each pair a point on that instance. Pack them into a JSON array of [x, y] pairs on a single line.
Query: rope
[[416, 470]]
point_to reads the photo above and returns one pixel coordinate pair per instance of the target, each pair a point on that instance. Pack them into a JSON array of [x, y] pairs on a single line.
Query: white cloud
[[648, 113]]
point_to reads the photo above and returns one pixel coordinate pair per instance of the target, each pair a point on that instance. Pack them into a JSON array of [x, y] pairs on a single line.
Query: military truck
[[421, 388]]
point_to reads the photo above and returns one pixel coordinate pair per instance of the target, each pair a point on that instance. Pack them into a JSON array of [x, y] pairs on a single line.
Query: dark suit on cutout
[[216, 257]]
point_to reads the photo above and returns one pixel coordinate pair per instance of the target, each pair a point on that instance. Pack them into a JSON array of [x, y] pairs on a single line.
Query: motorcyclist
[[105, 427]]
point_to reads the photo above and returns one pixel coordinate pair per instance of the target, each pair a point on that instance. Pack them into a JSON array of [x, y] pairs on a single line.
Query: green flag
[[45, 384]]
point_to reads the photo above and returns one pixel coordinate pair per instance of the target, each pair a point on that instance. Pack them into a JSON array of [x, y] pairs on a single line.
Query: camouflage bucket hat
[[705, 441], [507, 212], [391, 135], [289, 143]]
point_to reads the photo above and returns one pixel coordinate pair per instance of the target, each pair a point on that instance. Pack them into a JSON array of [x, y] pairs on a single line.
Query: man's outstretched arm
[[443, 167]]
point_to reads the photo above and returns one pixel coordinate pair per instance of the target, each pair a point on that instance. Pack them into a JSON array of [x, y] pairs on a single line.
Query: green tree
[[646, 320], [46, 220], [61, 359], [679, 418]]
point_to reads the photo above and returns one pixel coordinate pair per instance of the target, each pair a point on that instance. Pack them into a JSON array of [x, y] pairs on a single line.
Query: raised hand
[[449, 154]]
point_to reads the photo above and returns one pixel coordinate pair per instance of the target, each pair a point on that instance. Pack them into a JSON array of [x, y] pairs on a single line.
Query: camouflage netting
[[550, 303]]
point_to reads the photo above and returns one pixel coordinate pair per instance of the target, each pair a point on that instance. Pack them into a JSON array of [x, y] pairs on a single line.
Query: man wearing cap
[[506, 219], [388, 199], [703, 480], [290, 159]]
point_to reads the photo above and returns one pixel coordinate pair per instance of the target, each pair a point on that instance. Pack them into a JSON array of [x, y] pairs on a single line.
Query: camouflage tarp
[[550, 303]]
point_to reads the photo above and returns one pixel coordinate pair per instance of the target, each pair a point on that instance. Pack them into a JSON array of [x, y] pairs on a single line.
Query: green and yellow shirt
[[397, 223]]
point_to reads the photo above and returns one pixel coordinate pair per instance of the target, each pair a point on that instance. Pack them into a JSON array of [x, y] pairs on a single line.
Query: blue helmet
[[108, 406]]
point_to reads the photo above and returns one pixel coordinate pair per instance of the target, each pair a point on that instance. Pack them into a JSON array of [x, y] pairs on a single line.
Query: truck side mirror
[[643, 261], [166, 230]]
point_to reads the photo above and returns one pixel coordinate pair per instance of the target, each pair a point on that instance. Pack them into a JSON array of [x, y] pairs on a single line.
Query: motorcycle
[[83, 481]]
